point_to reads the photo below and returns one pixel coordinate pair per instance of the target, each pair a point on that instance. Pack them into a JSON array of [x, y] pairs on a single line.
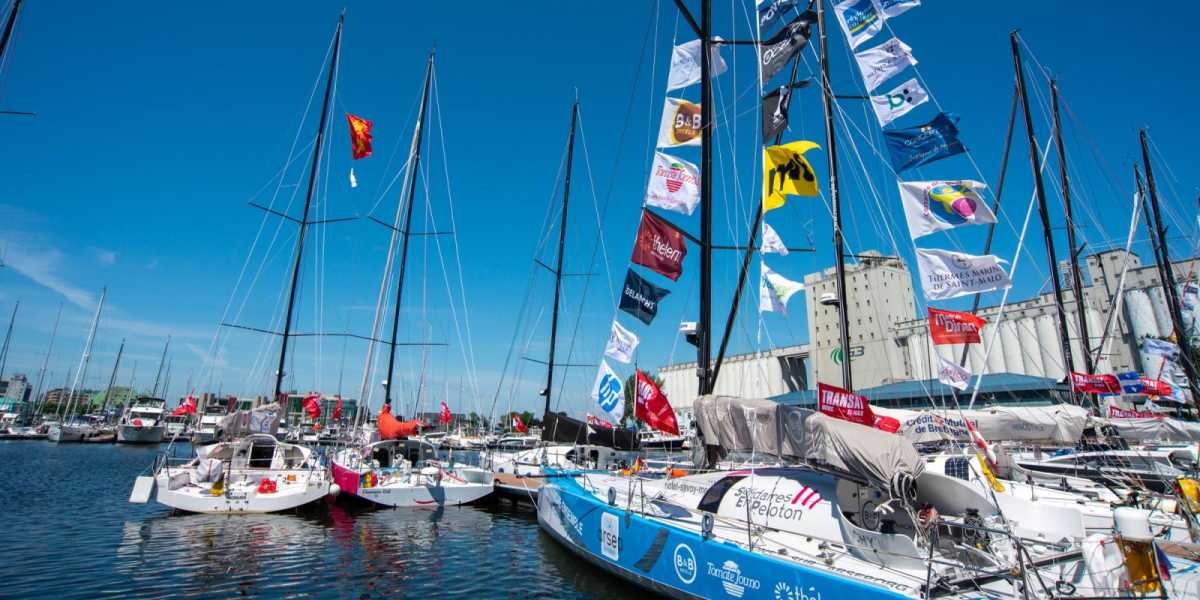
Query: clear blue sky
[[158, 121]]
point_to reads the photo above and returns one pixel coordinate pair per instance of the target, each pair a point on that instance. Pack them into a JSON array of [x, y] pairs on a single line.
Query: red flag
[[337, 410], [444, 416], [597, 422], [659, 246], [1095, 384], [844, 404], [1121, 413], [981, 443], [951, 327], [517, 424], [1155, 387], [312, 405], [187, 407], [651, 406], [360, 136]]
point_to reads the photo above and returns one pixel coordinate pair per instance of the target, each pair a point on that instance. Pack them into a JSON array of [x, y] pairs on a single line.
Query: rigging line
[[1165, 203], [1118, 295], [382, 190]]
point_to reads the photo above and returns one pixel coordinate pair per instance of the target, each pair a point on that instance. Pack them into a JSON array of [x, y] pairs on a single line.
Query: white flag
[[884, 61], [621, 344], [680, 124], [899, 102], [685, 64], [951, 374], [674, 184], [771, 242], [353, 180], [946, 274], [932, 206], [1154, 407], [774, 290], [895, 8], [606, 391], [860, 20]]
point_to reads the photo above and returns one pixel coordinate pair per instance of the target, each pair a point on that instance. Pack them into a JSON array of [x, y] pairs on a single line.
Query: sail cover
[[728, 424], [1060, 423], [1152, 429], [558, 427], [264, 419]]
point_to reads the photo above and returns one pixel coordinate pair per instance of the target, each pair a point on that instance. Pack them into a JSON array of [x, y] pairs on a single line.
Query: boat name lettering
[[731, 577]]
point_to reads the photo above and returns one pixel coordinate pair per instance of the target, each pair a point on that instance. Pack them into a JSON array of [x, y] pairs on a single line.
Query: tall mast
[[407, 227], [37, 393], [1076, 281], [836, 203], [113, 378], [1167, 271], [312, 184], [8, 340], [86, 357], [8, 29], [558, 266], [704, 325], [162, 361], [1035, 162]]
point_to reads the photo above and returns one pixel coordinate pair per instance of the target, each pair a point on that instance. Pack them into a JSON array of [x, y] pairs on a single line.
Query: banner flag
[[946, 274], [775, 52], [680, 124], [360, 136], [953, 327], [786, 171], [953, 375], [923, 144], [606, 392], [860, 20], [1095, 384], [652, 407], [640, 298], [597, 422], [1115, 412], [771, 242], [932, 206], [772, 12], [848, 406], [674, 184], [659, 246], [1131, 382], [775, 112], [621, 344], [883, 62], [895, 8], [899, 102], [774, 290], [685, 64]]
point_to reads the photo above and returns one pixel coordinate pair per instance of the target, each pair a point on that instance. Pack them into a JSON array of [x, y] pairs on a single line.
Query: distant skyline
[[156, 124]]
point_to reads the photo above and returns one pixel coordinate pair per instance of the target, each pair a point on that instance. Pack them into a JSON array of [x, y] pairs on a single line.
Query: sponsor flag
[[953, 375], [899, 102], [1154, 407], [786, 171], [775, 52], [1191, 296], [775, 111], [312, 406], [674, 184], [685, 64], [1163, 348], [1131, 382], [844, 404], [1095, 384], [946, 274], [444, 415], [774, 290], [980, 443], [931, 206], [860, 20], [606, 392], [360, 136], [895, 8], [953, 327], [923, 144], [771, 242], [517, 424], [1156, 387], [772, 12], [621, 344], [337, 408], [884, 61], [652, 407], [1115, 412], [659, 246], [640, 298], [353, 179], [187, 407], [680, 124], [1164, 563], [598, 423]]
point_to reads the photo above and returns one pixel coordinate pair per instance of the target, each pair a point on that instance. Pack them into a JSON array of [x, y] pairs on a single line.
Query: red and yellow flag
[[360, 136]]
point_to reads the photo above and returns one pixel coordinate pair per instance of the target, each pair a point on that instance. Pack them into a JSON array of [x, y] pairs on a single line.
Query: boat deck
[[516, 487]]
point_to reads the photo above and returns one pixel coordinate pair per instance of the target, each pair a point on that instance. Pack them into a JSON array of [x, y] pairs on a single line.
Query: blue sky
[[157, 122]]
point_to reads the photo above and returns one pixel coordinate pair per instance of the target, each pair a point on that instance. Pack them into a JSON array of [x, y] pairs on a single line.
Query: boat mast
[[113, 378], [312, 184], [704, 324], [1072, 248], [407, 228], [37, 393], [8, 29], [7, 340], [1167, 272], [1043, 210], [161, 361], [85, 358], [558, 267]]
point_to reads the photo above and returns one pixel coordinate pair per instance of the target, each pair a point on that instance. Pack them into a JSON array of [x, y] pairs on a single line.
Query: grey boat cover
[[1059, 424], [264, 419], [1152, 429], [730, 424]]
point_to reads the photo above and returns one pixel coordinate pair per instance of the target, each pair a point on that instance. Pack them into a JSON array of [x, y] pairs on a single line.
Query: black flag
[[640, 297], [775, 52], [772, 12], [775, 109]]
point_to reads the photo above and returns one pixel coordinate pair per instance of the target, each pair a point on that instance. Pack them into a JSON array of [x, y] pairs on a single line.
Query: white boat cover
[[730, 424], [1060, 423], [264, 419], [1152, 429]]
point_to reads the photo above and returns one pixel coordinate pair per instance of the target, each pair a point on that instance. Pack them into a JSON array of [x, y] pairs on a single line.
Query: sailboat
[[91, 428]]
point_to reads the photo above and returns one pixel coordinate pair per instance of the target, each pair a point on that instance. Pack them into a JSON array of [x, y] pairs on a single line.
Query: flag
[[775, 112], [895, 8], [312, 406], [775, 52], [353, 179], [1163, 348], [621, 344], [652, 407], [444, 415], [860, 20], [923, 144], [1116, 412], [680, 124], [1154, 407], [187, 407], [977, 439], [640, 298], [1164, 563], [1190, 296], [597, 422], [659, 246], [337, 409], [1156, 387], [685, 64], [786, 171], [517, 424], [899, 102], [606, 392], [1094, 384], [953, 375], [946, 274], [774, 290], [953, 327], [884, 61], [773, 11], [1131, 382], [932, 206], [771, 242], [674, 184], [360, 136], [844, 404]]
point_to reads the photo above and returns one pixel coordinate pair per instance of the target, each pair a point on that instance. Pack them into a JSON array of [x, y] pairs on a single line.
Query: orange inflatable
[[391, 428]]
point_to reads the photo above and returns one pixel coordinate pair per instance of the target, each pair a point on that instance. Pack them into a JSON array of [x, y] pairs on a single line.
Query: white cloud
[[43, 268], [106, 257], [218, 362]]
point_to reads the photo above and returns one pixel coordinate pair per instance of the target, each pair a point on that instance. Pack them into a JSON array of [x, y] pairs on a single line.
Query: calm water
[[69, 532]]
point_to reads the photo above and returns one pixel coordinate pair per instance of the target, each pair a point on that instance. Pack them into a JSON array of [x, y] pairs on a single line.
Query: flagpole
[[704, 323], [835, 202], [558, 268], [312, 184]]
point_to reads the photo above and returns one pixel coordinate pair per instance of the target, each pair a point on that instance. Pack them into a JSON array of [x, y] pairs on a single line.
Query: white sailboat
[[143, 422]]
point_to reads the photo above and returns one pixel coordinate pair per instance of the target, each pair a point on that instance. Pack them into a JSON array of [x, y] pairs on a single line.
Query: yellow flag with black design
[[786, 172]]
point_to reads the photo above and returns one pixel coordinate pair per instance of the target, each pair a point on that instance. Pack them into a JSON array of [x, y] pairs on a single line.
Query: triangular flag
[[353, 180], [775, 290], [771, 242]]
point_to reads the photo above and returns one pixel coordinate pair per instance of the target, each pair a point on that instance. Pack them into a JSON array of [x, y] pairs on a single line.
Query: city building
[[16, 388]]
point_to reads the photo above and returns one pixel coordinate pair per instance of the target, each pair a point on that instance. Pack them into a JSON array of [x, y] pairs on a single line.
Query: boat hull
[[309, 487], [407, 495], [129, 434]]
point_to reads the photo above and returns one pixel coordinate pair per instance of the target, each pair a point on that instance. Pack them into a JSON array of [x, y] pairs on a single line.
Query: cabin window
[[959, 468], [261, 455], [712, 498]]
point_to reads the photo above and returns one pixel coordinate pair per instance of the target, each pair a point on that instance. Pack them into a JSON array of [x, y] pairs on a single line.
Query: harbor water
[[70, 532]]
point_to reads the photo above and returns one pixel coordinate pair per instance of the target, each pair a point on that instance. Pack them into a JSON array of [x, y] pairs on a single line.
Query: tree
[[631, 390]]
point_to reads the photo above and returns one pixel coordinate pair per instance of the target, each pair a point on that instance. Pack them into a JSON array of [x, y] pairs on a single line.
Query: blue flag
[[1131, 382], [923, 144]]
